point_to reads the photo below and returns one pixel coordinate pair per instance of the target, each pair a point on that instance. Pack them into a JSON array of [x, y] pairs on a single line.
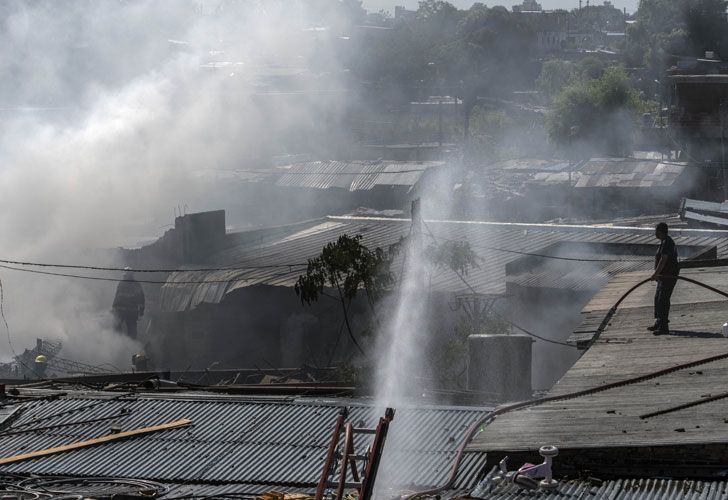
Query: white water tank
[[500, 366]]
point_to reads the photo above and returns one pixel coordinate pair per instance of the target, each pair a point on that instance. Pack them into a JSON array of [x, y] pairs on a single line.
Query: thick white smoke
[[108, 108]]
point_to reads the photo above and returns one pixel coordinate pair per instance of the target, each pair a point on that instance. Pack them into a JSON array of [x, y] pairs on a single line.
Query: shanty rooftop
[[245, 445], [497, 244], [616, 173], [354, 175], [705, 213], [639, 426]]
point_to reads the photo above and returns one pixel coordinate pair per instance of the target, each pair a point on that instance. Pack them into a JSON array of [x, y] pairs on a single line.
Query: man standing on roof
[[128, 304], [666, 271]]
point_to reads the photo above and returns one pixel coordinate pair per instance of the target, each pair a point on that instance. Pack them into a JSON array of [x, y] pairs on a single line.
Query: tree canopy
[[596, 115]]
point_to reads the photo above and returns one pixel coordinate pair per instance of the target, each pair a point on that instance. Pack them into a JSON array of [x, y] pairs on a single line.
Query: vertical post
[[439, 122], [722, 111], [416, 217], [466, 117]]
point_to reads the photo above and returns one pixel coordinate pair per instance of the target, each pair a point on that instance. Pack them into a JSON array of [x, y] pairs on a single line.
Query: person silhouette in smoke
[[666, 271], [128, 304]]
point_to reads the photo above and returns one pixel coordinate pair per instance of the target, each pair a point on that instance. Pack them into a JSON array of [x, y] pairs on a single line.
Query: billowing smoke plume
[[109, 109]]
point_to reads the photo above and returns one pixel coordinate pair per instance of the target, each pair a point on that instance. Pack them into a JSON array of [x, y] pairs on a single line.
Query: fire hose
[[475, 427]]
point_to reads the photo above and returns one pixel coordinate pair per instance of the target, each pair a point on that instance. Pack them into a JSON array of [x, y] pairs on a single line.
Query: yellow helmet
[[40, 359]]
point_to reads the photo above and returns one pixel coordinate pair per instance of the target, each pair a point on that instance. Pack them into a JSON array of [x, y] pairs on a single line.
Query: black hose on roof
[[475, 427]]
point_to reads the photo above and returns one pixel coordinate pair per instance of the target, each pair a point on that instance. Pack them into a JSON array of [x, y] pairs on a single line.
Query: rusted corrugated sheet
[[496, 243], [234, 440]]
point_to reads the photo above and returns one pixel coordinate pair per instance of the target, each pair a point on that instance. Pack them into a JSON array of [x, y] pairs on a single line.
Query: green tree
[[347, 266], [554, 76], [596, 116]]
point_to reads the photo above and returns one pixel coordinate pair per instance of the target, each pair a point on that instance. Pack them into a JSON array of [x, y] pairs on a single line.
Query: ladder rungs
[[359, 457], [362, 430]]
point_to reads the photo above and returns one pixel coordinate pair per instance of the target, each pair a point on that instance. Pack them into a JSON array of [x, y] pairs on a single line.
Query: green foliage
[[667, 28], [599, 114], [346, 265], [554, 76], [437, 11], [589, 68], [457, 256], [447, 46]]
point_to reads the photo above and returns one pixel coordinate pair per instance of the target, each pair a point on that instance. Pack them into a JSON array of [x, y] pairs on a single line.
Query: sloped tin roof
[[233, 440], [354, 175]]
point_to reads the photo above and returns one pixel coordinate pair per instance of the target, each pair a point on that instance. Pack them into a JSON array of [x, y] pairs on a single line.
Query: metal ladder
[[342, 457]]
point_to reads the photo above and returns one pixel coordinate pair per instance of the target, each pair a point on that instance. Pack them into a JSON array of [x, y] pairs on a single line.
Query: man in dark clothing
[[128, 305], [666, 271]]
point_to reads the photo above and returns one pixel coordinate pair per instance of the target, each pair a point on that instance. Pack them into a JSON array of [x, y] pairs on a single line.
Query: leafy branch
[[347, 266]]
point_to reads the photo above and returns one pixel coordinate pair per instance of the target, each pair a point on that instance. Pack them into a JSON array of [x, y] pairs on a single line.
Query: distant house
[[598, 188], [342, 186], [550, 27], [528, 6], [404, 15], [338, 186], [618, 186], [697, 117]]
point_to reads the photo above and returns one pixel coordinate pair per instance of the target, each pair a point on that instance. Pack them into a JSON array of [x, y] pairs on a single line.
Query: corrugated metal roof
[[615, 173], [617, 489], [234, 440], [531, 165], [567, 275], [354, 175], [627, 172], [705, 211], [484, 238]]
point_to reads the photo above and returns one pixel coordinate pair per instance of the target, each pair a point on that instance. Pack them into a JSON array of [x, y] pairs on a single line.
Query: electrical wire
[[158, 282], [514, 325], [10, 340], [474, 428], [282, 173], [176, 270], [543, 256]]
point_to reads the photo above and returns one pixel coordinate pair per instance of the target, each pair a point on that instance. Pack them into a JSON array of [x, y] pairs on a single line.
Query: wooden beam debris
[[95, 441]]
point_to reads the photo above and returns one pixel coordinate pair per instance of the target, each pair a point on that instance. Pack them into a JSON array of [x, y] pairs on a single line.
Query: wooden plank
[[95, 441]]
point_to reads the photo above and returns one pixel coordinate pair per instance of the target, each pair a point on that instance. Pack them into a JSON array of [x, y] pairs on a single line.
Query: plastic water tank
[[500, 366]]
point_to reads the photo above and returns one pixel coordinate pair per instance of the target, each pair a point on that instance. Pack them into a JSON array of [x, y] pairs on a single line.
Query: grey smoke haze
[[108, 108]]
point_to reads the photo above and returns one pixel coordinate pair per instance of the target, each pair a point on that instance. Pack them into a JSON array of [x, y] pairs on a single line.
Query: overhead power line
[[503, 318], [158, 282], [133, 270], [543, 256], [320, 172]]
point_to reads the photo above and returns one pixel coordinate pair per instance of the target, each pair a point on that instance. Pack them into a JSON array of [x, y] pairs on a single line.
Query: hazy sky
[[376, 5]]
